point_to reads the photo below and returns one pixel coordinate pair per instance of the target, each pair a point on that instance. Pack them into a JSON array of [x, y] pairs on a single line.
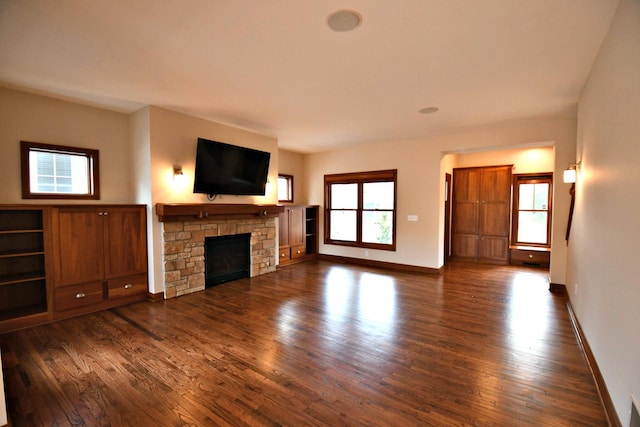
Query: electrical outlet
[[366, 253], [575, 290]]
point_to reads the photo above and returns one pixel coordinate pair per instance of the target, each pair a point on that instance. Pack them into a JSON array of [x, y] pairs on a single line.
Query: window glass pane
[[63, 185], [377, 227], [344, 196], [63, 164], [541, 197], [44, 162], [59, 173], [65, 181], [532, 227], [525, 200], [80, 174], [45, 183], [343, 225], [377, 195], [284, 191]]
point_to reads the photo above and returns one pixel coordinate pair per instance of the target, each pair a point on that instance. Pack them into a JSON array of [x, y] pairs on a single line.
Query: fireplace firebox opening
[[227, 258]]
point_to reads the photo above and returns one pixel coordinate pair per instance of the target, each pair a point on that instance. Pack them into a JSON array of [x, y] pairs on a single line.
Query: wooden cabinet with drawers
[[101, 257], [78, 296], [297, 232], [58, 261], [126, 287], [536, 257]]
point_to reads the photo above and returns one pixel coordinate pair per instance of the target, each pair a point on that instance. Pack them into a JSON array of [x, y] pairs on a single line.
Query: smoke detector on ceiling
[[344, 20], [428, 110]]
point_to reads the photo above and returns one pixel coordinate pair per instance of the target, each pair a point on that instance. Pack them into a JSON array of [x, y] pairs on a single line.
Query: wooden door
[[495, 207], [78, 242], [481, 213], [447, 217], [125, 241], [283, 228], [466, 198], [297, 226]]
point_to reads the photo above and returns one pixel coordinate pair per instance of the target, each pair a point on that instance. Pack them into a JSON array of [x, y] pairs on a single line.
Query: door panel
[[296, 227], [125, 242], [496, 184], [79, 245], [465, 218], [493, 249], [283, 228], [466, 183], [495, 219], [465, 245]]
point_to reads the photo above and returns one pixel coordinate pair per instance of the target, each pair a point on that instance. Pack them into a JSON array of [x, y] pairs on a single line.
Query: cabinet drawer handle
[[282, 254], [530, 256], [80, 295], [298, 251], [128, 286]]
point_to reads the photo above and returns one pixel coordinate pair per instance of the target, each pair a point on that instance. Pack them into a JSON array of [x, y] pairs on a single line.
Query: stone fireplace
[[185, 228]]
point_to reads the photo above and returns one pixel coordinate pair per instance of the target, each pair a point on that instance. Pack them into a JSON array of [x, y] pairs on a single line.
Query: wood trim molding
[[558, 288], [381, 264], [181, 212], [157, 297], [603, 392]]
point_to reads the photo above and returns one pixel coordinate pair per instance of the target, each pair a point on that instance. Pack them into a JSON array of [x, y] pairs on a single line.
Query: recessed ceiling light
[[428, 110], [344, 20]]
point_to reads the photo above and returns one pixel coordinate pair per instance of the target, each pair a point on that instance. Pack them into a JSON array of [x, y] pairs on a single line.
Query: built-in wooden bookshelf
[[298, 234], [23, 285], [58, 261]]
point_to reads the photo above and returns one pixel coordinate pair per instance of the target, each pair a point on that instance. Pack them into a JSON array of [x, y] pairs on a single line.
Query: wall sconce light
[[178, 176], [569, 176]]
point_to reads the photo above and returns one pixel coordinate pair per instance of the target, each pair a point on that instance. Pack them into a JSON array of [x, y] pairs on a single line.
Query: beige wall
[[41, 119], [290, 163], [422, 164], [172, 142], [524, 160], [603, 268], [140, 141]]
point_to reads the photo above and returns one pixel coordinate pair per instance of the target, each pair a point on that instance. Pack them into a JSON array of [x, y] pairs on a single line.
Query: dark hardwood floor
[[314, 344]]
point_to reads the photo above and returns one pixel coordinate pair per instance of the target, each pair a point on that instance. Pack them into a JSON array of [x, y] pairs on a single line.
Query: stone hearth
[[183, 248]]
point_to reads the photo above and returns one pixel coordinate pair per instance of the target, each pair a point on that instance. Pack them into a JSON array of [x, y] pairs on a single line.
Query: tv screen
[[228, 169]]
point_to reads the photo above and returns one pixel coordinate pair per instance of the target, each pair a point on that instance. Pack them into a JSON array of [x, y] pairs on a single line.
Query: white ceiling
[[274, 67]]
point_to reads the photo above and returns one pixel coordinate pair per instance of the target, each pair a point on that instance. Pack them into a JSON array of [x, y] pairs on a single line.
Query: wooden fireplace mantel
[[194, 211]]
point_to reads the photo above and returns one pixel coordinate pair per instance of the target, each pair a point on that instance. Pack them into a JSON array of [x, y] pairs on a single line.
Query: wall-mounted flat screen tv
[[229, 169]]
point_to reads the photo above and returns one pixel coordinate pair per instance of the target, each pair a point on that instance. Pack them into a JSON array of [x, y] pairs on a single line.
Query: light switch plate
[[412, 217]]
